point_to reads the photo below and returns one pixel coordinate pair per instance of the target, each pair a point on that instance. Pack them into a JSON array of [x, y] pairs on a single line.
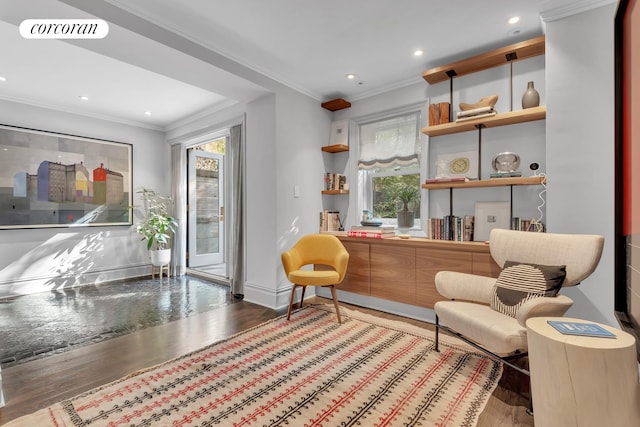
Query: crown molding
[[574, 8], [83, 113]]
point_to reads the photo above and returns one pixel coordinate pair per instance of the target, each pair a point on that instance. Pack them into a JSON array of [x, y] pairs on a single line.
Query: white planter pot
[[160, 257]]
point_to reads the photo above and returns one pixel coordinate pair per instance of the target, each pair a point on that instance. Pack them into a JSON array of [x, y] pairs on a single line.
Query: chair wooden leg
[[437, 331], [304, 288], [334, 293], [293, 293]]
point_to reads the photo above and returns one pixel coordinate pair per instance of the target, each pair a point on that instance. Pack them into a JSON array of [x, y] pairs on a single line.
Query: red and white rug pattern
[[310, 371]]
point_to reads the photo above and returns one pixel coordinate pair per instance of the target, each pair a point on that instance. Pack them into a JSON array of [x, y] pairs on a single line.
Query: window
[[389, 162]]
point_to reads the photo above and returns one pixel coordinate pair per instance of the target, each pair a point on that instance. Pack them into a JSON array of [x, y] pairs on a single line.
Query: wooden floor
[[40, 383]]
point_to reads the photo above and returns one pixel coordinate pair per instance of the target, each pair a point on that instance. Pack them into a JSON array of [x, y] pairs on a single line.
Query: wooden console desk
[[404, 270]]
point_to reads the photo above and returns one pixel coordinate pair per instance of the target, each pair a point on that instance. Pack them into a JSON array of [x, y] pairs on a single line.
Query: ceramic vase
[[531, 97]]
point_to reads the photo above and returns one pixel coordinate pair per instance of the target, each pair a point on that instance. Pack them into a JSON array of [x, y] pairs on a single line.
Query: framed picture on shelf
[[339, 133], [457, 165], [490, 215]]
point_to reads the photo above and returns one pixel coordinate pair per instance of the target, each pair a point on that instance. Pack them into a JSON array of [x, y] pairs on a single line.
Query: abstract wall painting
[[55, 180]]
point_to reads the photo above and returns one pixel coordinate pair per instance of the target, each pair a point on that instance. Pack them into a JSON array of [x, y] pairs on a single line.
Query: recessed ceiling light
[[350, 76], [418, 52], [83, 97], [514, 20], [147, 113], [3, 79]]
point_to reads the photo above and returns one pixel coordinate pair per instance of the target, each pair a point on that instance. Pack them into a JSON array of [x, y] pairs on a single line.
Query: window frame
[[363, 197]]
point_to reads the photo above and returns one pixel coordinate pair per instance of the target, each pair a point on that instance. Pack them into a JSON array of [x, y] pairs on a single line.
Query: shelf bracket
[[450, 201], [479, 127], [451, 74], [512, 56]]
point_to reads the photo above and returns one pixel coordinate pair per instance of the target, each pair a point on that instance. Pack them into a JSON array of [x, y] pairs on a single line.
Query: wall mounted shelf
[[334, 192], [337, 148], [494, 58], [493, 182], [502, 119]]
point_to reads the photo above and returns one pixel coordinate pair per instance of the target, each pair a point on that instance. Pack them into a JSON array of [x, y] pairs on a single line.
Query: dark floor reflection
[[37, 325]]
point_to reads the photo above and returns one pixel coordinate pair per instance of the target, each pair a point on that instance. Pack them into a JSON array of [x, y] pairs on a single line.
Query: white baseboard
[[47, 283]]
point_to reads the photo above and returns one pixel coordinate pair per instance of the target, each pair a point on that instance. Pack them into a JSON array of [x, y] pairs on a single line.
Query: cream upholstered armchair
[[317, 249], [490, 313]]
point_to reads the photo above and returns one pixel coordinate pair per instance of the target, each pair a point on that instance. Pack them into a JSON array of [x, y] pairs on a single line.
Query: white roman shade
[[390, 142]]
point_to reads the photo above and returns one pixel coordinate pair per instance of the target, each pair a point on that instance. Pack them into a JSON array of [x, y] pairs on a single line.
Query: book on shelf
[[330, 221], [374, 229], [477, 116], [505, 174], [334, 181], [520, 224], [370, 235], [476, 111], [580, 328], [451, 227], [445, 179]]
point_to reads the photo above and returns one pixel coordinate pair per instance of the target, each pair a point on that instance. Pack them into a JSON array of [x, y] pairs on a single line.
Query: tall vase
[[531, 97]]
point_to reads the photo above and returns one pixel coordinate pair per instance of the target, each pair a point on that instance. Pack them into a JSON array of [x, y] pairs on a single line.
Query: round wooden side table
[[582, 381]]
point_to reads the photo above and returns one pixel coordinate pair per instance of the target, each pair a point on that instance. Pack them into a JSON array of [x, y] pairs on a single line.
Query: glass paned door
[[206, 208]]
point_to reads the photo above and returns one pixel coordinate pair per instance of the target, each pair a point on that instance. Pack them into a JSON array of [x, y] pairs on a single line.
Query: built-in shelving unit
[[497, 57], [334, 192]]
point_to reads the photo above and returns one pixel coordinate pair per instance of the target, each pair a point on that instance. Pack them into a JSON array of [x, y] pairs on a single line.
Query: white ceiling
[[217, 52]]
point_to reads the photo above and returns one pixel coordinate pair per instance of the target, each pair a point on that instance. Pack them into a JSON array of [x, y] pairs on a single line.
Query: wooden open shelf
[[494, 58], [502, 119], [337, 148], [492, 182], [334, 192]]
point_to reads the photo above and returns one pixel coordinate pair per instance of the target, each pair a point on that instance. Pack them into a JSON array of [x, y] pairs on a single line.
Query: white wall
[[580, 145], [35, 260]]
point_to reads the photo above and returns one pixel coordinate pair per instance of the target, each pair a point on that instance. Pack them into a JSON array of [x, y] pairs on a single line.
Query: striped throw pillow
[[519, 282]]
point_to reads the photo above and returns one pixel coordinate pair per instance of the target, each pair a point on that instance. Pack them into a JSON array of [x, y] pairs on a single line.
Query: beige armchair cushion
[[483, 325]]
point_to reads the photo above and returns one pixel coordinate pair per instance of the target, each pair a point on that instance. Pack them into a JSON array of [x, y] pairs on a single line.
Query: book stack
[[334, 181], [505, 174], [330, 221], [372, 232], [476, 113], [520, 224], [451, 227]]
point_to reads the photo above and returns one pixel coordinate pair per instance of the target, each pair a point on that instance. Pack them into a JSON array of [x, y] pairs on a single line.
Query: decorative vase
[[405, 219], [531, 97]]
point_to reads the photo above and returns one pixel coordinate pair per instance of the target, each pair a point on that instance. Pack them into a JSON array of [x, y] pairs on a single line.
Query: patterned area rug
[[309, 371]]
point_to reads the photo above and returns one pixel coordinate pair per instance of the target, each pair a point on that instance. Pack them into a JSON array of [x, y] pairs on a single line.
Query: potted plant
[[157, 225], [406, 195]]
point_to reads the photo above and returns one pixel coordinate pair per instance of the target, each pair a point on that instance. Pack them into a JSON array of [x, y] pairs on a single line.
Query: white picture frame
[[339, 133], [490, 215], [445, 165]]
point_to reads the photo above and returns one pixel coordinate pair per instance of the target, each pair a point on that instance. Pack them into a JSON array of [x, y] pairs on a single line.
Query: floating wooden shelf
[[492, 182], [334, 192], [502, 119], [336, 104], [337, 148], [494, 58]]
